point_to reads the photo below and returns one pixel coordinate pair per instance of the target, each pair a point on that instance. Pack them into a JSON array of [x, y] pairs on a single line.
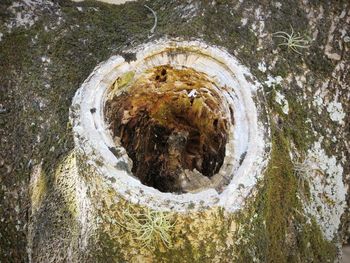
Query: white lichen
[[336, 112], [188, 10], [244, 21], [23, 12], [262, 66], [26, 13], [272, 81], [45, 59], [328, 192], [113, 2], [281, 100], [278, 5], [318, 103]]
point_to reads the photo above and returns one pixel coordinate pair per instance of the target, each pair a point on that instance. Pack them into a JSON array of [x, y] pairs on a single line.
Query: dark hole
[[115, 151], [129, 56], [231, 114], [163, 136]]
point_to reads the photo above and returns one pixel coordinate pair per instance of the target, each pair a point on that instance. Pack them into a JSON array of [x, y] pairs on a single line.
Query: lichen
[[274, 228], [336, 112]]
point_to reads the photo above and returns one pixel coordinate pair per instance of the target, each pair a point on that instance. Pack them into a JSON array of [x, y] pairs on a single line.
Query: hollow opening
[[173, 124]]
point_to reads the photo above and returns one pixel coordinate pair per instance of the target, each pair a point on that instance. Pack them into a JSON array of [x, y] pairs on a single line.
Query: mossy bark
[[43, 63]]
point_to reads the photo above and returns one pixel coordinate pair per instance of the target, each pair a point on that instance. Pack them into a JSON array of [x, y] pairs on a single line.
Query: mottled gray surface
[[47, 49]]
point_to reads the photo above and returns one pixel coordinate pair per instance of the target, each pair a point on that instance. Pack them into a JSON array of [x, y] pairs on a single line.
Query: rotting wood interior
[[169, 120]]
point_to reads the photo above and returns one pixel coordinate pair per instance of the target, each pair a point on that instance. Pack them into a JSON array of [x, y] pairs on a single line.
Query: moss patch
[[274, 227]]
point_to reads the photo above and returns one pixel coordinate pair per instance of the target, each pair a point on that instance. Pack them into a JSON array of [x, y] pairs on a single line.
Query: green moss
[[273, 228], [295, 124], [280, 198], [38, 191], [104, 250], [276, 231], [189, 237]]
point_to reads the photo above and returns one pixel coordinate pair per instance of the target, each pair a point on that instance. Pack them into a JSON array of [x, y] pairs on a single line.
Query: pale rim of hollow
[[250, 139]]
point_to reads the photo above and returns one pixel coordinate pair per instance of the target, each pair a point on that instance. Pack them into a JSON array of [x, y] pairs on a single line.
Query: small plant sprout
[[303, 169], [148, 227], [293, 40], [306, 167]]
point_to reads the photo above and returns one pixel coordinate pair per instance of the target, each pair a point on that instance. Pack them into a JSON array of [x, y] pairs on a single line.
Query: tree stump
[[174, 131]]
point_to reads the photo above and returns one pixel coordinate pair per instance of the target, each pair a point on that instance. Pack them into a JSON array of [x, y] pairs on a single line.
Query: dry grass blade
[[155, 18]]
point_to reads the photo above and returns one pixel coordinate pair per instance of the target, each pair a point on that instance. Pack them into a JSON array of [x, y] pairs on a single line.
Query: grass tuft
[[148, 227]]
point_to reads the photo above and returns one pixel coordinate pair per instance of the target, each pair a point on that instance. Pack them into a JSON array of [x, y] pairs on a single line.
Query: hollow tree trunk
[[174, 131]]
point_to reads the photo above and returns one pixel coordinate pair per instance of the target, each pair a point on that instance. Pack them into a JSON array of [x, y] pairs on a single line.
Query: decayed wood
[[174, 126]]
